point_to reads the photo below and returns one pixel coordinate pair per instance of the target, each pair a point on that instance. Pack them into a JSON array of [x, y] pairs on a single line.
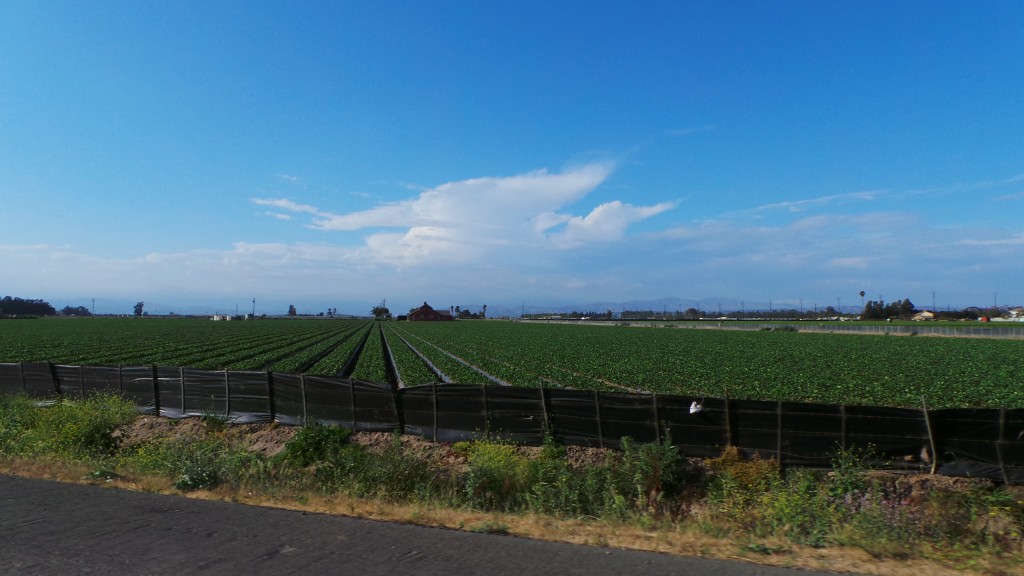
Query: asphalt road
[[65, 529]]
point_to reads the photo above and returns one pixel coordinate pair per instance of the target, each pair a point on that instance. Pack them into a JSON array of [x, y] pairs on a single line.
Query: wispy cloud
[[1014, 196], [289, 178], [285, 204], [799, 205], [691, 130], [606, 222], [1014, 240], [480, 218]]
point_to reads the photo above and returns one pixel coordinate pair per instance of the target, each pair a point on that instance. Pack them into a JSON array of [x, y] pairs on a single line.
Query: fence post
[[931, 437], [352, 401], [271, 407], [657, 418], [728, 422], [302, 390], [433, 391], [53, 378], [81, 379], [120, 381], [156, 389], [778, 425], [597, 408], [842, 426], [181, 380], [227, 396], [999, 445], [21, 370], [487, 413], [544, 410]]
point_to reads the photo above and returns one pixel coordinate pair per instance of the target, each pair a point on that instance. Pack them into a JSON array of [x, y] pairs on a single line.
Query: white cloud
[[691, 130], [485, 202], [1015, 240], [799, 205], [481, 219], [606, 222], [1014, 196], [285, 204]]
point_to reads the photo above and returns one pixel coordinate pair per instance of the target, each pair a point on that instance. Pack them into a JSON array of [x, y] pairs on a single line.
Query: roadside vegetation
[[726, 506]]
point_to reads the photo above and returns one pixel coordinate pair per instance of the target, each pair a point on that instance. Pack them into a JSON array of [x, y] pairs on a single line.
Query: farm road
[[65, 529]]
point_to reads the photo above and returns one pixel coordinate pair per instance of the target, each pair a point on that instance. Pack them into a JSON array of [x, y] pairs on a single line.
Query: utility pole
[[253, 307]]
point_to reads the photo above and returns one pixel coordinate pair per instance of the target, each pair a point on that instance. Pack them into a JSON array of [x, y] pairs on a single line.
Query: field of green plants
[[772, 365]]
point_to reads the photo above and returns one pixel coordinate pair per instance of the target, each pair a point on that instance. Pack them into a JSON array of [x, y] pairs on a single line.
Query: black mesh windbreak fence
[[702, 432], [354, 404], [38, 380], [979, 442], [249, 397], [139, 384], [890, 437], [288, 399], [10, 379], [986, 443]]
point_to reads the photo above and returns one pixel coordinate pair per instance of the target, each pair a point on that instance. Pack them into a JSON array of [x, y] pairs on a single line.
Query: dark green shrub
[[650, 476], [316, 443]]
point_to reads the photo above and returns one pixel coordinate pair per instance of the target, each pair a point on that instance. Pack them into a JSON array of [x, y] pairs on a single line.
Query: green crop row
[[777, 365]]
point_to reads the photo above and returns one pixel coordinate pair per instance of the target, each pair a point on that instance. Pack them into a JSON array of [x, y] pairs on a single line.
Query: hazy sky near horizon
[[512, 152]]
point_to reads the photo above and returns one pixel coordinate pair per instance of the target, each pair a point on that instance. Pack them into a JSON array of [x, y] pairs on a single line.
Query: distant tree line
[[14, 306], [464, 313], [75, 311], [878, 310]]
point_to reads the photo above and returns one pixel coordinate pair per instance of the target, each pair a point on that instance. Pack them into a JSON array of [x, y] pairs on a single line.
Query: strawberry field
[[809, 367]]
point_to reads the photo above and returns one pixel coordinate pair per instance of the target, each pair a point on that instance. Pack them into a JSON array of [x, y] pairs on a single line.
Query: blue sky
[[337, 153]]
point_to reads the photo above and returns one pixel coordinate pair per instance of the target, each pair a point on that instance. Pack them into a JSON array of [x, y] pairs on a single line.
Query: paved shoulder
[[65, 529]]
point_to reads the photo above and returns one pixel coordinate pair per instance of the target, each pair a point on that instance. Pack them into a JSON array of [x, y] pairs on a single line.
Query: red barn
[[427, 314]]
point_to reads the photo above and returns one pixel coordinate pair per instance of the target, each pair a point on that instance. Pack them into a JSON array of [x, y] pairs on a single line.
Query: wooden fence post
[[999, 445], [931, 437], [728, 422], [181, 381], [352, 400], [597, 408], [778, 426], [842, 426], [271, 407], [302, 389], [544, 410], [433, 391], [227, 395], [156, 389], [487, 413], [657, 418]]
